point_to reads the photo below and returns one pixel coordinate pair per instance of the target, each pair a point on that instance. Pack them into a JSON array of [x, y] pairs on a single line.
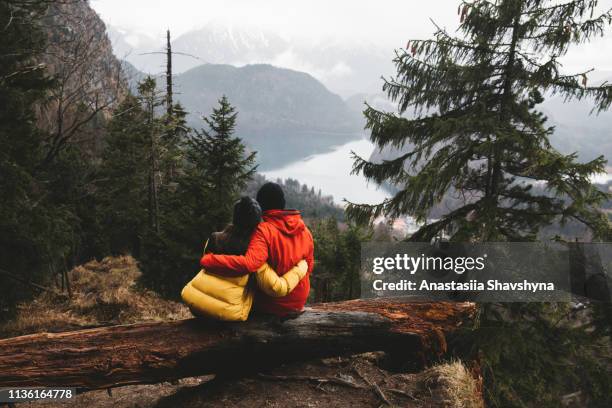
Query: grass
[[459, 388], [104, 292]]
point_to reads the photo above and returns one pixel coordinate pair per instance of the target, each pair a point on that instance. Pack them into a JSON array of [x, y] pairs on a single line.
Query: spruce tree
[[216, 170], [219, 166], [123, 178], [175, 135], [337, 274], [477, 129]]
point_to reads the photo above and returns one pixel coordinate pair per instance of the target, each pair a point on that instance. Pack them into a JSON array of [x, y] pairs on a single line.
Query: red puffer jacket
[[282, 240]]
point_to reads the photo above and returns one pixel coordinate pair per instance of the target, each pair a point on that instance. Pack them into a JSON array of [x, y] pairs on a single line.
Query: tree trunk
[[169, 93], [154, 352]]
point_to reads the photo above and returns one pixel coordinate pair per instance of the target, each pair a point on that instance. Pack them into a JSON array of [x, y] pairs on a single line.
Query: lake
[[331, 173]]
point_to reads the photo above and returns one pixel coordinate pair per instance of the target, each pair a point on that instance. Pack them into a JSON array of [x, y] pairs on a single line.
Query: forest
[[96, 174], [120, 173]]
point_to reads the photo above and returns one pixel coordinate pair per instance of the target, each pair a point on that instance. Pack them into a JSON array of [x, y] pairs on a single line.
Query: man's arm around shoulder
[[236, 265]]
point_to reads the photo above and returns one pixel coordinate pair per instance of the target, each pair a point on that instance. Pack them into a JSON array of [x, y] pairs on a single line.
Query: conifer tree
[[35, 233], [175, 136], [219, 166], [477, 128], [124, 176], [153, 125], [337, 271], [215, 172]]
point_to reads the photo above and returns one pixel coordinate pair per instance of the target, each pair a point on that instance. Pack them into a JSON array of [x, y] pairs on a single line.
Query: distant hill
[[283, 114]]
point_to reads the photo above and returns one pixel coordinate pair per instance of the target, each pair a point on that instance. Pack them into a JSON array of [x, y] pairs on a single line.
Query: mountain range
[[344, 69], [352, 72], [284, 115]]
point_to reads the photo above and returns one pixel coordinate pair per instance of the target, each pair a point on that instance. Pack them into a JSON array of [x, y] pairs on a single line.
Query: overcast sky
[[386, 22], [377, 19]]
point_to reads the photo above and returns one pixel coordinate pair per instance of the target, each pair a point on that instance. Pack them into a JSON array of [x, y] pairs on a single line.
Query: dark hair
[[234, 239], [271, 197], [247, 214]]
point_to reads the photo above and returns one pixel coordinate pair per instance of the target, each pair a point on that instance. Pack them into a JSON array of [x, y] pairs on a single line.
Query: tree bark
[[154, 352]]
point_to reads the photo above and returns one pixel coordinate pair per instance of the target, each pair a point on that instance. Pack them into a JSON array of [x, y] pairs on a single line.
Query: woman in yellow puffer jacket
[[231, 298]]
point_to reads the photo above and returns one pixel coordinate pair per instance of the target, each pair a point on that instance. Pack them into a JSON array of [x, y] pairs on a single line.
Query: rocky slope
[[89, 80]]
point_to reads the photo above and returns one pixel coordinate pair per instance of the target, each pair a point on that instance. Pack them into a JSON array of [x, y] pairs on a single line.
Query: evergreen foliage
[[477, 128], [33, 232], [176, 133], [153, 128], [216, 170], [48, 212], [219, 167], [533, 354], [312, 204], [123, 179], [477, 131], [338, 260]]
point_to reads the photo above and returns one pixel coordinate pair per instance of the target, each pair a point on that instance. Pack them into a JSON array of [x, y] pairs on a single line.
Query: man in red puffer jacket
[[282, 240]]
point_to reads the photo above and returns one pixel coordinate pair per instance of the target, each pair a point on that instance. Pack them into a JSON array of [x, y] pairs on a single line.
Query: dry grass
[[104, 292], [458, 387]]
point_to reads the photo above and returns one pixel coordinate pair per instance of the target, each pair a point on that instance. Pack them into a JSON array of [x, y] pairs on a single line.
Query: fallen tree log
[[113, 356]]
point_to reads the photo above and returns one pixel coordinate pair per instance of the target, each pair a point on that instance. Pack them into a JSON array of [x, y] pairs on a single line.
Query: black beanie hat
[[271, 197], [247, 213]]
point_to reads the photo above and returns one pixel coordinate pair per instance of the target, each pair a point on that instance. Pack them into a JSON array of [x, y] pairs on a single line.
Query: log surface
[[154, 352]]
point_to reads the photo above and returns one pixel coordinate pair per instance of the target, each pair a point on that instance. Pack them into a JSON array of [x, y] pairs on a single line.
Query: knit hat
[[271, 197]]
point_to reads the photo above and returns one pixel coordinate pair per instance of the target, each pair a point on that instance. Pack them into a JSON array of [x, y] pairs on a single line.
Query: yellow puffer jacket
[[231, 298]]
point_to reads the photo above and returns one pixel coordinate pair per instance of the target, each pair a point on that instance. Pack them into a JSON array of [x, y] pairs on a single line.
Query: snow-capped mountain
[[345, 69], [218, 43]]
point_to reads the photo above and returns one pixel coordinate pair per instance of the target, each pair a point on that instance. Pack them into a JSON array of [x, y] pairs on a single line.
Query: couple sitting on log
[[262, 260]]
